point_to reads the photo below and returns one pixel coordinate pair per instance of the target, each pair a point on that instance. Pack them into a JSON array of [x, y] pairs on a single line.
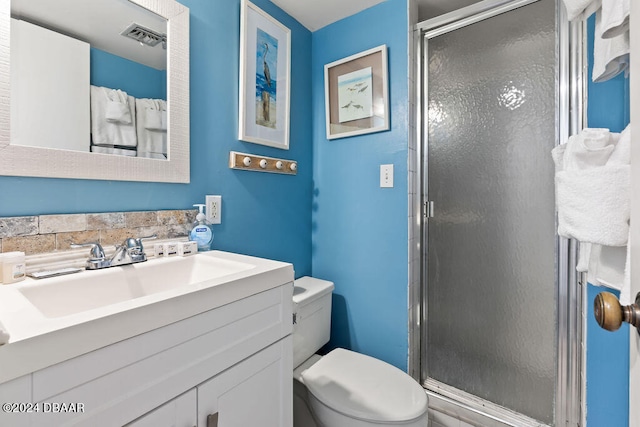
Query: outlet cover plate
[[213, 209]]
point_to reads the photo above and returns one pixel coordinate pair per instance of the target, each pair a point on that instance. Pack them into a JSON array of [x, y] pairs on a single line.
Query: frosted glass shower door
[[491, 253]]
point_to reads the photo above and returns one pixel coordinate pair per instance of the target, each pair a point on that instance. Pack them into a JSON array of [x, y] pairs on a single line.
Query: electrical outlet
[[214, 209]]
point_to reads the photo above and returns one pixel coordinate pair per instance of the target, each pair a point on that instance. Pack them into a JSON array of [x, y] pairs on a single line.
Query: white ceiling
[[315, 14], [99, 23]]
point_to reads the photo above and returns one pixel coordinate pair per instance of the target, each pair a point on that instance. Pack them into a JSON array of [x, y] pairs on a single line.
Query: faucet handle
[[136, 243], [131, 243], [140, 239], [96, 253]]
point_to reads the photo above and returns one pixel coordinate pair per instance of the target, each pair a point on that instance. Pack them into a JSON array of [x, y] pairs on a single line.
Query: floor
[[440, 419]]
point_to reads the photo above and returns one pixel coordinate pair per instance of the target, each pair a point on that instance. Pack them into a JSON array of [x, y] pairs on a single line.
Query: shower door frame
[[571, 293]]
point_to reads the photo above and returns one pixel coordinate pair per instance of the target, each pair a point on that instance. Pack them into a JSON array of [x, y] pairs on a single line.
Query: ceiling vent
[[144, 35]]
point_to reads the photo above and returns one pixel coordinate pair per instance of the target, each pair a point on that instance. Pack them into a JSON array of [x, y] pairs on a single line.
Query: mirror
[[89, 72], [82, 146]]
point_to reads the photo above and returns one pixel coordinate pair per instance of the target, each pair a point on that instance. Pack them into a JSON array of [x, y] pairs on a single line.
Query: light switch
[[386, 176]]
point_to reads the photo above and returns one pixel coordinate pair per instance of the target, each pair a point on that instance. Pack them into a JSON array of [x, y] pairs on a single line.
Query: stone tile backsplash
[[50, 233]]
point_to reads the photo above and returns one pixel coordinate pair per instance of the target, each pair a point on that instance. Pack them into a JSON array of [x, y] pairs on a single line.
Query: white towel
[[155, 119], [615, 17], [592, 187], [603, 252], [579, 10], [152, 133], [593, 204], [584, 257], [592, 148], [609, 266], [625, 290], [4, 334], [117, 107], [611, 55], [164, 116], [619, 155], [104, 132], [622, 153]]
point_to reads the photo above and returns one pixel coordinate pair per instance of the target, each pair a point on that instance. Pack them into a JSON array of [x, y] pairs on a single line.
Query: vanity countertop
[[40, 339]]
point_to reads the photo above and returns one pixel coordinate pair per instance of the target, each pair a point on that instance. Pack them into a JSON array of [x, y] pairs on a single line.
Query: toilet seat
[[365, 388]]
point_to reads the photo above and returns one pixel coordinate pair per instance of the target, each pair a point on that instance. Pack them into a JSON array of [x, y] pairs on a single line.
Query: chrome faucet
[[97, 258], [130, 252]]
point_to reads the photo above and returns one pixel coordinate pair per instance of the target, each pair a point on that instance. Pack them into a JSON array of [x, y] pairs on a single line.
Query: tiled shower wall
[[50, 233]]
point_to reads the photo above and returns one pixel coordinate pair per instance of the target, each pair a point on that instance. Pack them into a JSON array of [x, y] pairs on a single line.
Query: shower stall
[[500, 335]]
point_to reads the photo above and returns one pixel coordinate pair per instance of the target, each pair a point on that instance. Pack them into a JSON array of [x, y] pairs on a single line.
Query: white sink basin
[[66, 295], [59, 318]]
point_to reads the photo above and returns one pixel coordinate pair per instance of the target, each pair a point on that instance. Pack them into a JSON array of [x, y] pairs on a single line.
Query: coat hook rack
[[249, 162]]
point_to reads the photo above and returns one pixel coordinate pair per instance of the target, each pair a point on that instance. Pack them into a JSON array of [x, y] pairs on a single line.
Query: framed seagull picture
[[356, 94], [265, 64]]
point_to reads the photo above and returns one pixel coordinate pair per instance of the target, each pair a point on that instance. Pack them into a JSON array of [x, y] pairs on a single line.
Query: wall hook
[[250, 162]]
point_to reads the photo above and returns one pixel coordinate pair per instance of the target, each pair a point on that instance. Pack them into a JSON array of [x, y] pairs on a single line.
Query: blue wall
[[265, 215], [607, 352], [116, 72], [360, 237]]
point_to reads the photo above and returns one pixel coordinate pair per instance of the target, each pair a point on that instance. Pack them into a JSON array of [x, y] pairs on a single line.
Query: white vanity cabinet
[[234, 361], [251, 393], [181, 411], [254, 392]]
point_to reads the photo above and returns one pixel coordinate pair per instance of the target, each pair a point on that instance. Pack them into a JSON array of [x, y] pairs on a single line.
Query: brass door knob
[[610, 314]]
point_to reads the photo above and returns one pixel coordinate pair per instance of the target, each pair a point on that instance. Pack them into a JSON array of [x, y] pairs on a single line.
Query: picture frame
[[357, 94], [265, 68]]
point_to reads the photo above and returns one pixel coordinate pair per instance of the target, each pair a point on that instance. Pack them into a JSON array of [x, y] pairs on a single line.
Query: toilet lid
[[365, 388]]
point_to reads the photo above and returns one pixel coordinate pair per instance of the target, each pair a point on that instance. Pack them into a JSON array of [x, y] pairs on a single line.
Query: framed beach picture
[[265, 63], [356, 94]]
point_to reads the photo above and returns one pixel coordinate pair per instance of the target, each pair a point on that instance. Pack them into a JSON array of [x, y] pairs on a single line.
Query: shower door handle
[[610, 314], [429, 208]]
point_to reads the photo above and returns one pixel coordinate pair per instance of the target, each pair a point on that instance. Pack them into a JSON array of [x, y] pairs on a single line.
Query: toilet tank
[[312, 317]]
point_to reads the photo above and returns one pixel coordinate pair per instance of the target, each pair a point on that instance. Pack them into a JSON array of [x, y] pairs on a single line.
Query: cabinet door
[[16, 391], [179, 412], [49, 64], [255, 392]]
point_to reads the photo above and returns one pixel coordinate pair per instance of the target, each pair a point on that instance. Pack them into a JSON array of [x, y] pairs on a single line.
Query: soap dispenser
[[201, 233]]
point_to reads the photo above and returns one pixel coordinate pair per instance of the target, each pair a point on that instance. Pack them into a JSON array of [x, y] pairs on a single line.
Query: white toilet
[[344, 388]]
